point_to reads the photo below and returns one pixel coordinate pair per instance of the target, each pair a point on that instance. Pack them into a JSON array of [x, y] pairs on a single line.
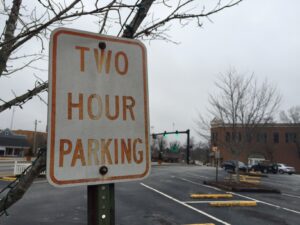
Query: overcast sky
[[260, 37]]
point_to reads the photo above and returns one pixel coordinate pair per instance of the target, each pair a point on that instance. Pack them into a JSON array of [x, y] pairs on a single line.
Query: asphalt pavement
[[163, 199]]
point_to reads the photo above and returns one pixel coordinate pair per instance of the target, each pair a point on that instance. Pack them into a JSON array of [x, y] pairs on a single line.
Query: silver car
[[282, 168]]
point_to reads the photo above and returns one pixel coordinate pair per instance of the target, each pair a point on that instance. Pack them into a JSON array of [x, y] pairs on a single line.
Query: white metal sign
[[98, 109]]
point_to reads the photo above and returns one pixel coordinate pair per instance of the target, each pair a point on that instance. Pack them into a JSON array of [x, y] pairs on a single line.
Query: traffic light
[[176, 133], [165, 134], [154, 136]]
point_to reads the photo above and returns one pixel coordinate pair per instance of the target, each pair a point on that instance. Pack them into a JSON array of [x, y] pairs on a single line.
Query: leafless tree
[[291, 116], [200, 152], [32, 22], [240, 106]]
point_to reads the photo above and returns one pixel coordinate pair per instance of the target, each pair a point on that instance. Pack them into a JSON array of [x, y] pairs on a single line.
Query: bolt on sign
[[98, 115]]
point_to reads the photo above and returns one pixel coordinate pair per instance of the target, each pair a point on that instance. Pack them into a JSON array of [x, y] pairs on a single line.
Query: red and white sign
[[98, 109]]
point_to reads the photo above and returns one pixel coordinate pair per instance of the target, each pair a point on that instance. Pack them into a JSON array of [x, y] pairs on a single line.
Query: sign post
[[217, 157], [101, 204], [98, 116]]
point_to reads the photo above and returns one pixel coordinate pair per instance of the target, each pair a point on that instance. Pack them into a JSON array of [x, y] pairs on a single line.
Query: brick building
[[40, 139], [12, 144], [276, 142]]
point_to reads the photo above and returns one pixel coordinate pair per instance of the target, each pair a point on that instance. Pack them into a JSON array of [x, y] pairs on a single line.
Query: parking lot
[[163, 198]]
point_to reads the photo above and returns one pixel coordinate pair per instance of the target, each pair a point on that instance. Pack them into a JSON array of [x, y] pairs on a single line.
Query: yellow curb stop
[[8, 178], [200, 224], [211, 195], [233, 203], [251, 181]]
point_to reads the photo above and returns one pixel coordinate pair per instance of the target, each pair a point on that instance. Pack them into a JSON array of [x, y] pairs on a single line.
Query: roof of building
[[265, 125], [10, 139]]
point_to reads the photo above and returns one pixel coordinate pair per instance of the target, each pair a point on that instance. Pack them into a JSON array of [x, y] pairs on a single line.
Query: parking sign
[[97, 110]]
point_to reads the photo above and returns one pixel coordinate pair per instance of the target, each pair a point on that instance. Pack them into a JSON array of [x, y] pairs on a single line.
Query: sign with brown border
[[98, 117]]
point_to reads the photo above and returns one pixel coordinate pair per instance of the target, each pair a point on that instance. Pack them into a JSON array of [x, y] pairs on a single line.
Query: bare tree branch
[[22, 99], [176, 15], [131, 29], [9, 31], [106, 16]]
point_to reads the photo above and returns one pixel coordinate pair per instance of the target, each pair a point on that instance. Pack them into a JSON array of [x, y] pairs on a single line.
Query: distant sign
[[98, 109]]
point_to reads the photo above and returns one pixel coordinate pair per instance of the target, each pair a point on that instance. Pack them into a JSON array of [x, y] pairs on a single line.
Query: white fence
[[19, 168]]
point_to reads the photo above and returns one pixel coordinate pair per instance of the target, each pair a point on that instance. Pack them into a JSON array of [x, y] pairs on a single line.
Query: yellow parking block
[[233, 203], [201, 224], [211, 195], [8, 178], [250, 177]]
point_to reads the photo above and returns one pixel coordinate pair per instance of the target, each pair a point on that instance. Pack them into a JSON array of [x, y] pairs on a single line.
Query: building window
[[261, 138], [290, 137], [9, 151], [276, 137], [248, 137], [236, 137], [227, 137], [214, 136]]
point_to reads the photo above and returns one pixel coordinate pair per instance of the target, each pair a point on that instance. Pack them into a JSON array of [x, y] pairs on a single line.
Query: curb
[[258, 189], [256, 174], [251, 174], [196, 196]]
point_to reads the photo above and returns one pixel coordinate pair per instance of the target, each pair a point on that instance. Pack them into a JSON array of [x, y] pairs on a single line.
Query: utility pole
[[12, 119], [34, 137], [188, 147]]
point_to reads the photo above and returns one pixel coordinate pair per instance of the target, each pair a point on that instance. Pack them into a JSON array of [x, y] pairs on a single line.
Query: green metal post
[[101, 204]]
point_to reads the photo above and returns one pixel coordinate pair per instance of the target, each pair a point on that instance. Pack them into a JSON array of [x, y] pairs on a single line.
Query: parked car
[[230, 165], [265, 167], [282, 168]]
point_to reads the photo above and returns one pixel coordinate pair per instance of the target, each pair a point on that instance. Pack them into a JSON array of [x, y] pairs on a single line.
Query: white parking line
[[197, 176], [246, 197], [266, 203], [293, 196], [184, 204]]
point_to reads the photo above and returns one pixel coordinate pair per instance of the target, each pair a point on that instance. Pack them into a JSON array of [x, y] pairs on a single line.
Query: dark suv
[[264, 167], [230, 166]]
